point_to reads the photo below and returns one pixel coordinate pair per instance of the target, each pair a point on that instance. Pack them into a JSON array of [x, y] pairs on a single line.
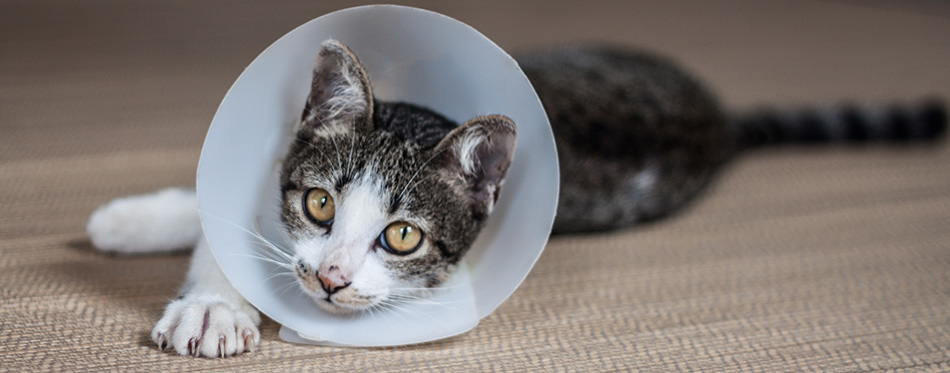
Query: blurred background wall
[[165, 65]]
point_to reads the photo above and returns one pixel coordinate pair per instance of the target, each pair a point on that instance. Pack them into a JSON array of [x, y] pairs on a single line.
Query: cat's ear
[[340, 93], [479, 153]]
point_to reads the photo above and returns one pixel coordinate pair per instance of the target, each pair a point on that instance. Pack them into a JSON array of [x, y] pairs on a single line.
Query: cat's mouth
[[342, 305], [345, 299], [342, 302]]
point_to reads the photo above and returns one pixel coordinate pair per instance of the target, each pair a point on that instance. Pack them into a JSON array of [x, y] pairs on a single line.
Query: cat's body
[[637, 137], [382, 199]]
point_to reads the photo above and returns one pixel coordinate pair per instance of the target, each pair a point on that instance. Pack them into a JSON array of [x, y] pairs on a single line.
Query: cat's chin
[[341, 309], [335, 308]]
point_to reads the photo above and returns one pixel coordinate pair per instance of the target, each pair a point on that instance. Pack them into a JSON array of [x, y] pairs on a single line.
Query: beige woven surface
[[797, 259]]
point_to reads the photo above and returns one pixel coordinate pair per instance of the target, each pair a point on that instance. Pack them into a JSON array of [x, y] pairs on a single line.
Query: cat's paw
[[207, 328], [162, 221]]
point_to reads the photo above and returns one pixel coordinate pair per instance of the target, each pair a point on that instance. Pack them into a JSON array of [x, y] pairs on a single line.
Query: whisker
[[302, 294], [280, 274], [393, 306], [423, 301], [312, 145], [283, 289], [419, 299], [426, 163], [415, 312], [410, 297], [339, 160], [276, 249], [255, 235], [349, 162], [427, 177], [377, 307], [427, 288], [271, 254], [285, 265]]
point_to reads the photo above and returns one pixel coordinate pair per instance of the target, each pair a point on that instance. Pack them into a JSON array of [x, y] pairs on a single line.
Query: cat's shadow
[[135, 288], [135, 281], [442, 344], [138, 287]]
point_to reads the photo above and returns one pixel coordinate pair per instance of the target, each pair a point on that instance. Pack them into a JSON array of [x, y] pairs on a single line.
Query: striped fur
[[844, 123]]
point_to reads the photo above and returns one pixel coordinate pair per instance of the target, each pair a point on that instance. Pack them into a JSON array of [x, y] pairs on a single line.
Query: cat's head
[[381, 200]]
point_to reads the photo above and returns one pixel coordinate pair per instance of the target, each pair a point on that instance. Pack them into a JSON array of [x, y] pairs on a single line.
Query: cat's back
[[620, 102], [620, 117]]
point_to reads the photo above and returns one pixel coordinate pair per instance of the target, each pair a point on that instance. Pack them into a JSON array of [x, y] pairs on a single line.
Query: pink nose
[[332, 279]]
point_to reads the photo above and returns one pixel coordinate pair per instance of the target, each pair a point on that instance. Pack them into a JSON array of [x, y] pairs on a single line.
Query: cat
[[382, 199]]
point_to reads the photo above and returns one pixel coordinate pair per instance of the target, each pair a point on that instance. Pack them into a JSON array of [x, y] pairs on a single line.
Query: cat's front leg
[[211, 318]]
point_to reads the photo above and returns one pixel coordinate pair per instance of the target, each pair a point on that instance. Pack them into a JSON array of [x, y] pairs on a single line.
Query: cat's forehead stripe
[[394, 203], [341, 182]]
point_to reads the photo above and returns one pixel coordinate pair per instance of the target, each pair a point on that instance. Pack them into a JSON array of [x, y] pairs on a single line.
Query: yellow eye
[[319, 205], [401, 238]]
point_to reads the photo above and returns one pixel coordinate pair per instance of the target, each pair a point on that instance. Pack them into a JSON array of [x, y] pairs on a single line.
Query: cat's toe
[[247, 335], [207, 329], [250, 338], [219, 333], [161, 333], [161, 339]]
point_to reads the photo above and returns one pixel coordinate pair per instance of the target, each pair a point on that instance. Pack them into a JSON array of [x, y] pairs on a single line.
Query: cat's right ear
[[340, 94], [478, 154]]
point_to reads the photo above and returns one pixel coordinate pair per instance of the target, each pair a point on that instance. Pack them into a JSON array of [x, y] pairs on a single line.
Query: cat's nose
[[332, 280]]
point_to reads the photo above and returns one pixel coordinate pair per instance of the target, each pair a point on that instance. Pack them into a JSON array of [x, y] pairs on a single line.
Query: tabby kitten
[[380, 197]]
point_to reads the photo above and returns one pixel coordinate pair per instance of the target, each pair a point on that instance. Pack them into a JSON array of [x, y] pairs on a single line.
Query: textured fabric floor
[[833, 259]]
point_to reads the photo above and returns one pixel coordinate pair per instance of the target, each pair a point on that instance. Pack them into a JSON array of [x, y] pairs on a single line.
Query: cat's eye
[[401, 238], [319, 206]]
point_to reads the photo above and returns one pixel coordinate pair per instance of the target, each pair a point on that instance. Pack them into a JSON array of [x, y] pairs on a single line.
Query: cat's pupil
[[319, 206], [401, 238]]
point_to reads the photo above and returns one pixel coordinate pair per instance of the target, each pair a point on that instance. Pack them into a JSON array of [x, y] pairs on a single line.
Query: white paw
[[207, 328], [161, 221]]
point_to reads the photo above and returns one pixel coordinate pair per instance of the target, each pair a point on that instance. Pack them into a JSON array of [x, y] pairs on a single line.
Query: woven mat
[[796, 259]]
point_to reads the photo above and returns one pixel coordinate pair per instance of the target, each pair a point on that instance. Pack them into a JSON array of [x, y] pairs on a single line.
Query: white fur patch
[[646, 179], [466, 150], [360, 217], [162, 221], [231, 322], [362, 207], [332, 131]]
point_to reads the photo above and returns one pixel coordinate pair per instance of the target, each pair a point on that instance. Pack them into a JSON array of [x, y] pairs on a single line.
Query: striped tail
[[844, 123]]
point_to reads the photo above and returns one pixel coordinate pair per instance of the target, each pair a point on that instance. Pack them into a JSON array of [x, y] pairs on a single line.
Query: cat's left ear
[[479, 154], [340, 93]]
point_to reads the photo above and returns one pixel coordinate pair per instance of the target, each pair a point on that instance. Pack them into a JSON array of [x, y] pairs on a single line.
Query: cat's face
[[382, 200]]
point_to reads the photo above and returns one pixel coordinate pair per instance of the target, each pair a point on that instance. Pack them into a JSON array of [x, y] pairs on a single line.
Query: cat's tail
[[159, 222], [926, 120]]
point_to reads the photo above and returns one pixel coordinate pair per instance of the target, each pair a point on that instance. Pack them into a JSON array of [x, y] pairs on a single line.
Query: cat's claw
[[193, 347], [248, 337], [221, 343], [207, 328]]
